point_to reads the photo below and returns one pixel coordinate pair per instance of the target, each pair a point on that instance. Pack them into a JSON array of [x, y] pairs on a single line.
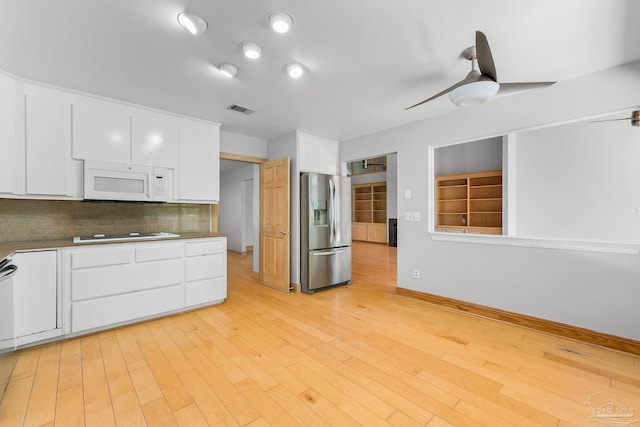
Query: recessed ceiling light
[[294, 70], [192, 23], [251, 50], [279, 21], [227, 69]]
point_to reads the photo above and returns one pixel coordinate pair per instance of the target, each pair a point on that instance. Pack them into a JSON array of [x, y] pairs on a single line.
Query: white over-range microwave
[[115, 181]]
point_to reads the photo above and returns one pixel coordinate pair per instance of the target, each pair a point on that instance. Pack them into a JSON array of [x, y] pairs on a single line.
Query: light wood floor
[[356, 355]]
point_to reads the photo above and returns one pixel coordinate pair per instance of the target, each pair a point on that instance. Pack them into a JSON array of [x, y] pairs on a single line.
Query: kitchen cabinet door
[[50, 168], [35, 293], [317, 154], [8, 134], [198, 177], [154, 140], [101, 131]]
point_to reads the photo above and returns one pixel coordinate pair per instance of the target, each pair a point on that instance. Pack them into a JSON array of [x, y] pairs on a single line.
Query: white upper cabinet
[[154, 140], [101, 131], [8, 134], [50, 170], [198, 176], [317, 154]]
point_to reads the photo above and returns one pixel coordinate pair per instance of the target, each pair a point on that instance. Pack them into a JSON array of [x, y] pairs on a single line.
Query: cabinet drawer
[[100, 282], [157, 253], [101, 257], [205, 267], [205, 248], [120, 308], [204, 291]]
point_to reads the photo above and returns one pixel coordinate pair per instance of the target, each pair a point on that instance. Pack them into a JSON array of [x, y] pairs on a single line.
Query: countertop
[[7, 248]]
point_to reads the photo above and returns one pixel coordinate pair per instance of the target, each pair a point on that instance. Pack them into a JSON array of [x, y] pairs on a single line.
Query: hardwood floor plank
[[127, 410], [145, 385], [232, 399], [190, 416], [157, 413], [98, 408], [70, 376], [70, 408], [42, 403], [15, 402], [210, 406], [304, 415]]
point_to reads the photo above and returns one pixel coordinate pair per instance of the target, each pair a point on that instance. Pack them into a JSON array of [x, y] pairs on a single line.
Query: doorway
[[238, 208]]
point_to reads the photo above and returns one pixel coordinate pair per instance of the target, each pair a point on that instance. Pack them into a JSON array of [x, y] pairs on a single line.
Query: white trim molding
[[545, 243]]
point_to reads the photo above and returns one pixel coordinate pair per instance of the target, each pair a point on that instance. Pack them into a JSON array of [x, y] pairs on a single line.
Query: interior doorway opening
[[238, 208]]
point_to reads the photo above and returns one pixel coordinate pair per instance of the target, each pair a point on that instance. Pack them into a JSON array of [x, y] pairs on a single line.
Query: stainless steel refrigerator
[[325, 231]]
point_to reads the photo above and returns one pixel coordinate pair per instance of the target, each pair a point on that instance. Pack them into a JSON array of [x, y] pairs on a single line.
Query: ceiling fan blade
[[507, 89], [485, 59], [609, 120], [469, 79]]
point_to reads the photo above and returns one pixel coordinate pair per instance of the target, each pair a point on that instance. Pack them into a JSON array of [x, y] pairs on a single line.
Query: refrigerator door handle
[[332, 214], [329, 253]]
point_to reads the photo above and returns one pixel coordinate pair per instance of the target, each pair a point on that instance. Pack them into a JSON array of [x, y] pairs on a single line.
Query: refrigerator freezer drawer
[[328, 267]]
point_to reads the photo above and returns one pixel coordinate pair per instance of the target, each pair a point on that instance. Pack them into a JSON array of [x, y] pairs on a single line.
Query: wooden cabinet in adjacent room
[[469, 202], [370, 212]]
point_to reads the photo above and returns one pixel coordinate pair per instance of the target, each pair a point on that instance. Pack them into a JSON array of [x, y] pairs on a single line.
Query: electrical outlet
[[416, 273]]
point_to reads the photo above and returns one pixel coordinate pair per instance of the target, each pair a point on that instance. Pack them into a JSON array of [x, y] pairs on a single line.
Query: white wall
[[242, 145], [597, 291], [579, 181]]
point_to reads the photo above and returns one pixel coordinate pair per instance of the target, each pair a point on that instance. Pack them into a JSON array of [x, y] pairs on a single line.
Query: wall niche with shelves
[[469, 202]]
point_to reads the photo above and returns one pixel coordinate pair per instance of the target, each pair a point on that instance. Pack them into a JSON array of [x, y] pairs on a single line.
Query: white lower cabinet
[[206, 271], [113, 284], [35, 296]]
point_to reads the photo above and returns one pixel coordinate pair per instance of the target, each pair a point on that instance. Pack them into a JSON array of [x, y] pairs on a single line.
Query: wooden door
[[274, 224]]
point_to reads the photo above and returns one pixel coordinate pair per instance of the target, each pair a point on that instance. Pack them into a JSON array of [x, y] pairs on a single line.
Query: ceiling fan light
[[294, 70], [251, 50], [473, 94], [192, 23], [280, 22], [227, 69]]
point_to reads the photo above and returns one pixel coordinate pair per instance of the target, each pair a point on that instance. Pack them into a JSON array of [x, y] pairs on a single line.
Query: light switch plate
[[416, 216], [407, 194]]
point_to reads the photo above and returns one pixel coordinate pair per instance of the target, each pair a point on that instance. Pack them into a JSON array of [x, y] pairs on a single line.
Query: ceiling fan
[[366, 163], [481, 84], [635, 119]]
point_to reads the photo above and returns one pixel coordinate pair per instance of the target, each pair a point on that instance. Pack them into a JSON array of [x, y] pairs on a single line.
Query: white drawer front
[[98, 257], [99, 282], [205, 267], [157, 253], [206, 248], [108, 311], [204, 291]]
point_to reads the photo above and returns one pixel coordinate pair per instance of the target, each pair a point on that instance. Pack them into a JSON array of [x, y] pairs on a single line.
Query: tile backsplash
[[24, 220]]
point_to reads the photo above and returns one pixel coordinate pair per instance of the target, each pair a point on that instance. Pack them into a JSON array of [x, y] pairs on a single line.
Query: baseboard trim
[[556, 328]]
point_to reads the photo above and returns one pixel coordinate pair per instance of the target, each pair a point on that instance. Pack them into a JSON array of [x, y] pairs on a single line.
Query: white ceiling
[[366, 60]]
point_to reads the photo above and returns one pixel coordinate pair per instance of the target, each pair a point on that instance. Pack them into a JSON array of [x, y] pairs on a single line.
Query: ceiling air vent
[[240, 109]]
